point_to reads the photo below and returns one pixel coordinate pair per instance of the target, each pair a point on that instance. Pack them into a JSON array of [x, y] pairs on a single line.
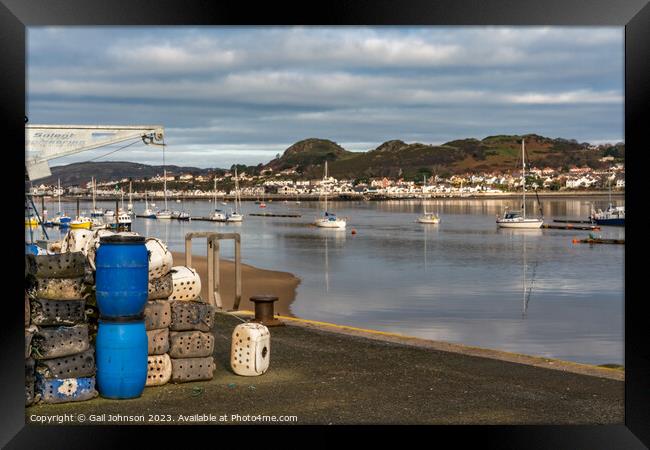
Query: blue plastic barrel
[[121, 358], [122, 276]]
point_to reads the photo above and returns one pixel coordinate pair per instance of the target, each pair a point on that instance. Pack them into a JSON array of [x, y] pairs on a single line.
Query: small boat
[[31, 221], [427, 217], [515, 219], [95, 212], [235, 215], [81, 222], [164, 214], [109, 213], [218, 216], [613, 216], [329, 220], [183, 215], [123, 222], [148, 212]]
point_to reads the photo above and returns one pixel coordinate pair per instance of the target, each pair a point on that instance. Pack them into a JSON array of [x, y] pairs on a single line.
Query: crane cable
[[112, 151]]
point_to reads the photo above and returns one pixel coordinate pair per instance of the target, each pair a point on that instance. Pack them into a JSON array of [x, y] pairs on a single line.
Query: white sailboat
[[95, 212], [165, 213], [130, 204], [148, 212], [61, 219], [236, 216], [217, 215], [427, 217], [329, 220], [515, 219]]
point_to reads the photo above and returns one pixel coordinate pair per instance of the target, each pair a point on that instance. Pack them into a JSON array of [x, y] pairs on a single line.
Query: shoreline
[[359, 197], [255, 281]]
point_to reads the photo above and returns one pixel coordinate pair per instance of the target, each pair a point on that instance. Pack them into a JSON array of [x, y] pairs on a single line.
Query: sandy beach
[[254, 282]]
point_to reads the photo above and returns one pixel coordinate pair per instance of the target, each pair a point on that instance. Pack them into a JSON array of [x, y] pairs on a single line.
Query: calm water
[[464, 280]]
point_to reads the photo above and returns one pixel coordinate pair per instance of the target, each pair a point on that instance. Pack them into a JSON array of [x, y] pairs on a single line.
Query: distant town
[[288, 183]]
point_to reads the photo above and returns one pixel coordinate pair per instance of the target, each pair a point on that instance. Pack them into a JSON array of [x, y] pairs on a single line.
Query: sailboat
[[95, 212], [427, 217], [148, 212], [129, 206], [217, 215], [235, 216], [165, 213], [61, 219], [515, 219], [329, 220]]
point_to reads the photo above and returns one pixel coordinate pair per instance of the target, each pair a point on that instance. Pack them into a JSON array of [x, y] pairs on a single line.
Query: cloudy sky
[[243, 94]]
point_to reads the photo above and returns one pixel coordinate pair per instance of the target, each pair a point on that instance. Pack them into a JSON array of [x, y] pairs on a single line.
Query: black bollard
[[264, 310]]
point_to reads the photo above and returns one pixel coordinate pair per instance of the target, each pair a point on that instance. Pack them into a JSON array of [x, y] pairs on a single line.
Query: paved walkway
[[331, 378]]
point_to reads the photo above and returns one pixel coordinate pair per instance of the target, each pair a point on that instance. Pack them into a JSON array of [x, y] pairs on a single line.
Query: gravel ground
[[323, 377]]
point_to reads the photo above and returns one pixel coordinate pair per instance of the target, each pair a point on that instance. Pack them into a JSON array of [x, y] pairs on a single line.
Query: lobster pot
[[251, 349], [121, 352], [160, 258], [27, 311], [57, 312], [62, 265], [49, 343], [190, 344], [59, 288], [157, 315], [66, 389], [192, 369], [161, 288], [159, 370], [191, 316], [80, 365], [187, 284], [158, 341], [30, 380], [122, 276]]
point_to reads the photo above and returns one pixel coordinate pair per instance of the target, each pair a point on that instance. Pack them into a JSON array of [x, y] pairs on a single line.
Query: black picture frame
[[15, 15]]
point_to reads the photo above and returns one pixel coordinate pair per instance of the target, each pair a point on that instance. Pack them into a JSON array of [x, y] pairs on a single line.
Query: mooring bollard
[[264, 310]]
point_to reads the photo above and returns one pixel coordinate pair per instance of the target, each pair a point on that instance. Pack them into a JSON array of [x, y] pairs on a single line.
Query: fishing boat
[[95, 212], [329, 220], [235, 215], [427, 217], [123, 223], [109, 213], [165, 213], [612, 216], [516, 219]]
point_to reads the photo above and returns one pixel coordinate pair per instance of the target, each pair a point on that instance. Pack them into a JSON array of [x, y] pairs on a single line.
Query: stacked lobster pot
[[191, 342], [60, 361], [157, 312]]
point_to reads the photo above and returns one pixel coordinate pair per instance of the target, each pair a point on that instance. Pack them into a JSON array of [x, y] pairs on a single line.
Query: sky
[[230, 95]]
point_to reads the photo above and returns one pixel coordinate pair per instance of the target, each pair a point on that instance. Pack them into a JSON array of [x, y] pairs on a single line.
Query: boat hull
[[611, 222], [526, 223], [340, 224], [428, 220]]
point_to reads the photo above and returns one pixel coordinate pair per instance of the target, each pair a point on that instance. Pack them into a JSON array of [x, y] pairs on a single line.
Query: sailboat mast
[[237, 198], [94, 187], [59, 183], [214, 192], [324, 178], [424, 185], [165, 186], [523, 174]]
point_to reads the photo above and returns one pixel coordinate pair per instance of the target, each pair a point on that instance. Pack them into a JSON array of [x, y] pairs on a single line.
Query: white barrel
[[160, 258], [77, 240], [250, 350], [159, 370], [186, 282]]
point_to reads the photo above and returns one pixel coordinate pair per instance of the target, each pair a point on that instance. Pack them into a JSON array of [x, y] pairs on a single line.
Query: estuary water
[[463, 280]]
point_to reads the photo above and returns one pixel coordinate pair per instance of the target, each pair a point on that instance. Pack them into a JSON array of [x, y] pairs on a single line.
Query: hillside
[[80, 173], [396, 158]]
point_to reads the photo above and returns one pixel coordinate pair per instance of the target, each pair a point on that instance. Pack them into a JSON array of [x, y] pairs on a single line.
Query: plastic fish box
[[251, 349], [74, 366], [191, 316], [158, 341], [49, 343], [161, 287], [61, 265], [66, 389], [190, 344], [192, 369], [186, 283], [157, 315], [59, 288], [159, 370], [57, 312]]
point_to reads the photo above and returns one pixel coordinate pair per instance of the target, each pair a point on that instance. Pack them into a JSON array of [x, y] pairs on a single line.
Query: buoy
[[354, 231], [575, 241]]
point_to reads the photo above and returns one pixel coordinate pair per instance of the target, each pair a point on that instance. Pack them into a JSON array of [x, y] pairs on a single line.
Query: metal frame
[[214, 298]]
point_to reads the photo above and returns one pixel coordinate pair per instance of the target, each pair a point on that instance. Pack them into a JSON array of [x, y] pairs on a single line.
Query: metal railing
[[214, 297]]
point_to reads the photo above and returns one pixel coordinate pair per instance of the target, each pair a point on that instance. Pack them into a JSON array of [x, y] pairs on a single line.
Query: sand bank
[[254, 281]]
